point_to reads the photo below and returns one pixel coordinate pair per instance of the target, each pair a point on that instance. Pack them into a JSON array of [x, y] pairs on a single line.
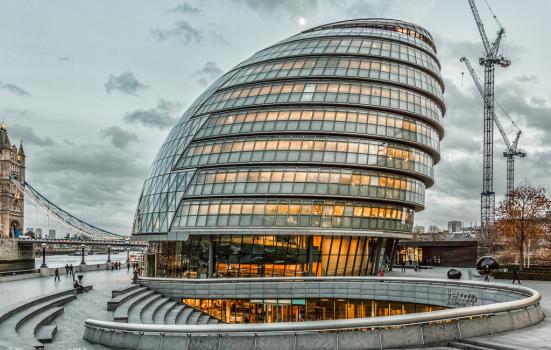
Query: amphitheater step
[[45, 334], [194, 317], [184, 316], [116, 301], [122, 310], [160, 315], [213, 321], [150, 311], [27, 332], [203, 319], [137, 312], [123, 290], [173, 314]]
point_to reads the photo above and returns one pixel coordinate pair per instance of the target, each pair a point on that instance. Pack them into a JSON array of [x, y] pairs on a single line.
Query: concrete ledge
[[498, 308]]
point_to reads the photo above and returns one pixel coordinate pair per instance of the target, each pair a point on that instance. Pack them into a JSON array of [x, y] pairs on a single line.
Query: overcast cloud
[[90, 151]]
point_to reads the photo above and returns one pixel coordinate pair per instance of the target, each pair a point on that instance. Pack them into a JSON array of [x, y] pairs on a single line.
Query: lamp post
[[109, 253], [43, 256], [82, 247]]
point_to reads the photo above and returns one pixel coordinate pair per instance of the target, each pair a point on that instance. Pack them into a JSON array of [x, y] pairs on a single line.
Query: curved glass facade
[[309, 158]]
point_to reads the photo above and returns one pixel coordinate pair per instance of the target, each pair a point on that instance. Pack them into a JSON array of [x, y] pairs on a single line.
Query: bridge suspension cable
[[86, 229]]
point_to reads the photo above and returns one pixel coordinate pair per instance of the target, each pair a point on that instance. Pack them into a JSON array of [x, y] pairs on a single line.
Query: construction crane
[[491, 58], [512, 148]]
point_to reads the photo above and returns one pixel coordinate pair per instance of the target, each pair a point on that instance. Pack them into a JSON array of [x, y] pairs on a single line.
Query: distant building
[[433, 229], [455, 226], [51, 234], [419, 229], [12, 165], [38, 233]]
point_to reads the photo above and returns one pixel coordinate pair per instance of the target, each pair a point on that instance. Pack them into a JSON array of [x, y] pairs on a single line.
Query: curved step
[[27, 332], [17, 320], [121, 312], [124, 290], [171, 316], [17, 307], [184, 316], [159, 316], [203, 319], [116, 301], [194, 317], [136, 313], [149, 312], [213, 321]]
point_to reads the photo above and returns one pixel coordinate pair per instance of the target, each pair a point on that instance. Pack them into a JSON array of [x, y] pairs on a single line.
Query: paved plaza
[[93, 305]]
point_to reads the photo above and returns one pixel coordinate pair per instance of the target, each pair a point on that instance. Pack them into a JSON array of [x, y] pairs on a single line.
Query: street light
[[82, 247], [44, 256]]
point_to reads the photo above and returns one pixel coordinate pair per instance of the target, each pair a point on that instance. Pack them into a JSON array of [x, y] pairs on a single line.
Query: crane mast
[[512, 148], [491, 58]]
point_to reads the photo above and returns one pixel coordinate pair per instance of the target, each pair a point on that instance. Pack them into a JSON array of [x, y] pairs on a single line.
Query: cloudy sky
[[94, 87]]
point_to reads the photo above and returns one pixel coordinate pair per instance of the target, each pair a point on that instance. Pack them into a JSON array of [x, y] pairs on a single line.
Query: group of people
[[69, 271], [117, 265]]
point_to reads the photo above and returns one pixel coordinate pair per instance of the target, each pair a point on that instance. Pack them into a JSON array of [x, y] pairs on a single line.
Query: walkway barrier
[[476, 309]]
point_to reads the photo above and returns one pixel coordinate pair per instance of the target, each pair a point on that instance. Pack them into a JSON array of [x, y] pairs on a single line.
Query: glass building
[[310, 158]]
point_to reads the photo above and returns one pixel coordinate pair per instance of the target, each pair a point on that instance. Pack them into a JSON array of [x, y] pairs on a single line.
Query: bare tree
[[522, 217]]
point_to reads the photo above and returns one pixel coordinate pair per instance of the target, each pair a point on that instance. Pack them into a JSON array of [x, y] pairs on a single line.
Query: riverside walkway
[[92, 305]]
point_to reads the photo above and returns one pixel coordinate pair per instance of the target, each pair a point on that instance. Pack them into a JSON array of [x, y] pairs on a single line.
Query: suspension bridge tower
[[12, 165]]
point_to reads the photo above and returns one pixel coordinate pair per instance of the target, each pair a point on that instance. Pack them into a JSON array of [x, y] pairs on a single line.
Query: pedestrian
[[72, 271], [403, 266], [486, 274], [515, 277], [382, 273], [416, 266], [56, 278], [128, 266], [135, 277], [66, 270]]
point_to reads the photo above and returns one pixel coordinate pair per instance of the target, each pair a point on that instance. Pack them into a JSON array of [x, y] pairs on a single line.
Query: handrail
[[533, 299]]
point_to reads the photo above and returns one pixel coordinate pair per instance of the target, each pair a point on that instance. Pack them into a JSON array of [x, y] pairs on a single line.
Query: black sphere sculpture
[[454, 274], [486, 263]]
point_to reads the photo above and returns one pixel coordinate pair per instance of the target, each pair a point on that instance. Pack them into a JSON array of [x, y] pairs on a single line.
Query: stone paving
[[93, 305], [88, 305], [536, 337]]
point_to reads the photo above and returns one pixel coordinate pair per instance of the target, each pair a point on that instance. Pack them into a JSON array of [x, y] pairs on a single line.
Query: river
[[61, 260]]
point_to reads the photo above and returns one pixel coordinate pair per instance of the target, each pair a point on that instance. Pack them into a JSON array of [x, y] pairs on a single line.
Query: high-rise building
[[455, 226], [38, 233], [51, 234], [419, 229], [308, 158], [12, 165]]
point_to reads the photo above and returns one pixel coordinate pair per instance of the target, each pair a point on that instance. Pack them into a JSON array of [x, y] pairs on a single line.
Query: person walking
[[56, 278], [66, 270], [72, 271], [486, 274], [515, 277], [127, 266], [404, 266]]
